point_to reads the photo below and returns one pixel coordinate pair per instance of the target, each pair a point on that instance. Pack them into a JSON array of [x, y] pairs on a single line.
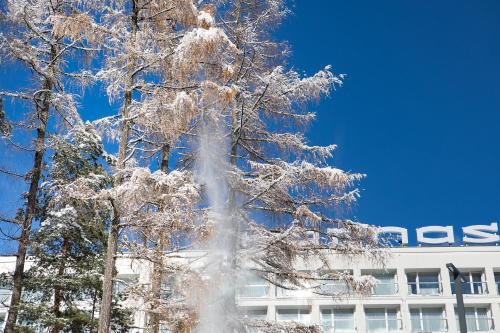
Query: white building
[[414, 294]]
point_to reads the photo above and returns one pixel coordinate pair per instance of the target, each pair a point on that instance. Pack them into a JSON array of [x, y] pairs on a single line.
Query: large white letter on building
[[481, 234], [396, 230], [448, 230]]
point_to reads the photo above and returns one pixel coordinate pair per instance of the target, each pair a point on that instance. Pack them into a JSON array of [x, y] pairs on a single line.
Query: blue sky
[[419, 111], [420, 108]]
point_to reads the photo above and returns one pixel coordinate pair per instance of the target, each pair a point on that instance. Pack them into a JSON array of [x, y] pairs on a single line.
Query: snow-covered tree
[[32, 38], [62, 289], [280, 190], [138, 38], [201, 88]]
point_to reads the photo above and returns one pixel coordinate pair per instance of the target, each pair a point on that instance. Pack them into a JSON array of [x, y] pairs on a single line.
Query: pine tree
[[62, 289]]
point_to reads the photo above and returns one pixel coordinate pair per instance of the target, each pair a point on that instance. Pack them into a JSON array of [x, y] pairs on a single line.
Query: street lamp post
[[457, 277]]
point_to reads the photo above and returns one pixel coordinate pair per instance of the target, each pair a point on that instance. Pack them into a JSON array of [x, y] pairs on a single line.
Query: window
[[421, 283], [255, 287], [298, 315], [122, 282], [497, 281], [165, 290], [332, 285], [164, 328], [254, 313], [337, 320], [474, 284], [386, 284], [478, 319], [382, 320], [5, 291], [428, 320]]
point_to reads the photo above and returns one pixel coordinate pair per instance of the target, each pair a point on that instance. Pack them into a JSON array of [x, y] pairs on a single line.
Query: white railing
[[425, 288], [431, 325], [471, 288], [4, 298], [334, 288], [479, 324], [282, 292], [253, 291], [385, 288], [382, 325], [340, 326]]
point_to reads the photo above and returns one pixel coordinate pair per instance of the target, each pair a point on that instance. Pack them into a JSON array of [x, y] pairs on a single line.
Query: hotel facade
[[415, 293]]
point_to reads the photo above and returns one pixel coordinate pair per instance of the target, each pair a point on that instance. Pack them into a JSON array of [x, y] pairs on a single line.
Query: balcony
[[481, 324], [471, 288], [338, 320], [383, 325], [425, 288], [333, 288], [345, 325], [385, 288], [4, 298], [429, 325], [300, 293], [253, 291]]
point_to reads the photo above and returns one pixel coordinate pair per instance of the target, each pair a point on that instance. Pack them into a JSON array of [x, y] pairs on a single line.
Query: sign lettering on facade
[[473, 234]]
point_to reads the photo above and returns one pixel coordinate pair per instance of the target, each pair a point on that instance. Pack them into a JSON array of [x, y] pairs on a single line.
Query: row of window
[[418, 283], [381, 320]]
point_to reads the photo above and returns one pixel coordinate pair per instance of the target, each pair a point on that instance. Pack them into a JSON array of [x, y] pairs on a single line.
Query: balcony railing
[[340, 326], [253, 291], [4, 298], [425, 288], [385, 288], [429, 325], [472, 288], [282, 292], [479, 324], [334, 288], [382, 325]]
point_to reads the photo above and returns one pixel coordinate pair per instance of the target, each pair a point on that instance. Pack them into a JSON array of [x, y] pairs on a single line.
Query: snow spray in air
[[217, 308]]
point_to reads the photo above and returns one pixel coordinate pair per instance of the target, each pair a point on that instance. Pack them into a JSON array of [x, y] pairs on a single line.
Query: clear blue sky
[[419, 111]]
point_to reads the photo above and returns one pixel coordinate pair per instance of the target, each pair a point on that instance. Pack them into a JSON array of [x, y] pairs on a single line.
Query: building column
[[401, 280], [489, 274], [315, 314], [359, 317], [445, 282], [405, 316], [450, 316], [271, 312]]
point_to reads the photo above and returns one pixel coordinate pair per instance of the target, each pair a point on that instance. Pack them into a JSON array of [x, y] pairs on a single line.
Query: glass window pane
[[432, 319], [428, 283], [304, 316], [288, 315], [415, 319], [326, 319], [428, 277], [257, 314]]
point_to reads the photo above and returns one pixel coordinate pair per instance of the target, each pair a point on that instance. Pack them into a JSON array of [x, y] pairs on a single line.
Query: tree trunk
[[107, 286], [154, 322], [109, 272], [31, 203]]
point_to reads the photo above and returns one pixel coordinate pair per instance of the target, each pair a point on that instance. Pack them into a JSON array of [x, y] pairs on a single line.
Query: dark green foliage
[[62, 288]]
